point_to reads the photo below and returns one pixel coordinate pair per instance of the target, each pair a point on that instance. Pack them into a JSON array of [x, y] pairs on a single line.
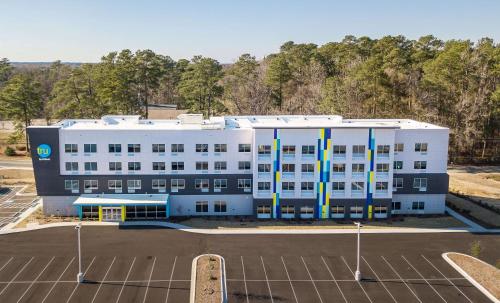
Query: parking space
[[13, 202]]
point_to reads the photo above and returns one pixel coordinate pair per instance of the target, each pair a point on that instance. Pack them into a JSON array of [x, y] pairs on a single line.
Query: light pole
[[357, 275], [79, 276]]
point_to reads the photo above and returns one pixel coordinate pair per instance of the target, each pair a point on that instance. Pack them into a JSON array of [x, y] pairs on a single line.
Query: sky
[[85, 30]]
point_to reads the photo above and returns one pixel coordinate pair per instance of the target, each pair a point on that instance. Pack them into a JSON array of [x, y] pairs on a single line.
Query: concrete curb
[[23, 216], [464, 220], [223, 282], [469, 278]]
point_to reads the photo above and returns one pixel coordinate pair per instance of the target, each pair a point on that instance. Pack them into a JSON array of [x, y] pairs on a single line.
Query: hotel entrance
[[112, 214]]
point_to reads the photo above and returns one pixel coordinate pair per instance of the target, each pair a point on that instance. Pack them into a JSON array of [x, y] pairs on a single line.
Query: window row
[[155, 148], [157, 166], [218, 207]]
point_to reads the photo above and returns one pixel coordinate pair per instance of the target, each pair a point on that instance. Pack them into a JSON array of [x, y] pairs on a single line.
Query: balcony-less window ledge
[[338, 193], [288, 175], [337, 216], [358, 156], [288, 193], [287, 216], [338, 175], [356, 216], [380, 215], [264, 156], [247, 190], [307, 193], [358, 175], [307, 175], [356, 193]]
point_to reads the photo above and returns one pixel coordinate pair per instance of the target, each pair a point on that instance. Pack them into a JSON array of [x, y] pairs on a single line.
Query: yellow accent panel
[[369, 155], [100, 213], [124, 213], [274, 200], [325, 154], [328, 144], [371, 177], [318, 164], [322, 134], [369, 211], [327, 202], [321, 187], [278, 177]]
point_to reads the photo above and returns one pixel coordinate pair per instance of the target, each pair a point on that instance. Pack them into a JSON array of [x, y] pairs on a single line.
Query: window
[[220, 165], [339, 168], [380, 209], [287, 209], [244, 165], [397, 183], [339, 150], [396, 205], [115, 166], [90, 166], [89, 184], [307, 149], [420, 183], [418, 205], [220, 148], [114, 148], [177, 166], [244, 148], [202, 148], [338, 186], [288, 168], [263, 186], [357, 186], [399, 147], [358, 150], [288, 150], [421, 147], [72, 185], [71, 148], [398, 164], [307, 186], [71, 166], [245, 183], [89, 148], [133, 184], [264, 149], [177, 184], [337, 209], [177, 148], [264, 168], [158, 148], [134, 166], [358, 168], [159, 184], [382, 167], [202, 206], [420, 165], [220, 183], [134, 148], [381, 186], [158, 165], [90, 212], [201, 165], [288, 186], [306, 210], [220, 207], [383, 150], [307, 168], [263, 210], [202, 184], [356, 210], [115, 185]]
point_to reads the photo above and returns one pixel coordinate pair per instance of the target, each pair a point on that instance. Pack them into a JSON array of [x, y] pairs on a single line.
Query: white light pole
[[79, 276], [357, 275]]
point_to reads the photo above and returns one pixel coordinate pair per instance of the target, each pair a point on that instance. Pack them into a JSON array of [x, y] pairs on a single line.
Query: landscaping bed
[[209, 279]]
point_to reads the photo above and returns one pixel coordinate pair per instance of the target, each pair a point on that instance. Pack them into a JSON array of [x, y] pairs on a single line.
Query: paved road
[[16, 163], [153, 265]]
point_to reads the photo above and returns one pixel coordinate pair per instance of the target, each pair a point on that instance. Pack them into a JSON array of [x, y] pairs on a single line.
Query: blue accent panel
[[319, 150]]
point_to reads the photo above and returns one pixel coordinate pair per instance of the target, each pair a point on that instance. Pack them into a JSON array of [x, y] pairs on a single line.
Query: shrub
[[475, 249], [9, 151]]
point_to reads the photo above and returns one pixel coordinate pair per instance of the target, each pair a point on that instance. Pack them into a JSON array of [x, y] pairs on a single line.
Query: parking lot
[[154, 265], [13, 202]]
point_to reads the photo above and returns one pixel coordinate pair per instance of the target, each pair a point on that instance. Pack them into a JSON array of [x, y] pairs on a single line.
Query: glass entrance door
[[111, 213]]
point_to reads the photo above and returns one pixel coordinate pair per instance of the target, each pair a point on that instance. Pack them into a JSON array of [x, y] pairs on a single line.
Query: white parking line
[[58, 279], [401, 279], [76, 286], [428, 261], [333, 277], [312, 281], [267, 280], [423, 278], [289, 280], [37, 277], [244, 278], [103, 279], [170, 282], [149, 280], [125, 282], [378, 279], [6, 263], [18, 273], [359, 283]]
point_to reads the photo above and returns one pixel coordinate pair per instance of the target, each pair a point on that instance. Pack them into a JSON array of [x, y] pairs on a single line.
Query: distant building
[[124, 168]]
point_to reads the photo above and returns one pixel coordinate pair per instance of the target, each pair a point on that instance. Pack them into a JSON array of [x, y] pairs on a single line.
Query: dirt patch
[[478, 213], [481, 183], [37, 217], [16, 176], [486, 275], [396, 222], [208, 280]]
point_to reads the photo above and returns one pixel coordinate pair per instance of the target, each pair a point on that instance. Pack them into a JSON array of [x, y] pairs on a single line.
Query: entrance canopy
[[121, 200]]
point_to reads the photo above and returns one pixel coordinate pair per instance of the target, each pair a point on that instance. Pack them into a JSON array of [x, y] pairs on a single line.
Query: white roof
[[196, 122], [119, 199]]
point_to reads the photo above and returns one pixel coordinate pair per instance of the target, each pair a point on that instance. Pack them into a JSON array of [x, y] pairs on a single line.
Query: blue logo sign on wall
[[44, 151]]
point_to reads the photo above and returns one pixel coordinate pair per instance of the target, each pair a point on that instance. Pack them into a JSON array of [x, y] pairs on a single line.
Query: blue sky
[[83, 31]]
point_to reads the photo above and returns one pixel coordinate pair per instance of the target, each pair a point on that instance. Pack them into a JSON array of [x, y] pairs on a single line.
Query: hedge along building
[[122, 167]]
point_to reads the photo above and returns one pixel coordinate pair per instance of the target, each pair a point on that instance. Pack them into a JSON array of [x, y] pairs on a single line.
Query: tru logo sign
[[44, 151]]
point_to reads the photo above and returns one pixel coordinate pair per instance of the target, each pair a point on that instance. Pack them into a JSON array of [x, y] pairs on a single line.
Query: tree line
[[451, 83]]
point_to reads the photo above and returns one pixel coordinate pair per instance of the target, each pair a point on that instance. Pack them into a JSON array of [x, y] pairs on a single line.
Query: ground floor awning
[[119, 207]]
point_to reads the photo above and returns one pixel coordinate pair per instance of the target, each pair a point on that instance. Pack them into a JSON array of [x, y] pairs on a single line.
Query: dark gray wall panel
[[436, 184]]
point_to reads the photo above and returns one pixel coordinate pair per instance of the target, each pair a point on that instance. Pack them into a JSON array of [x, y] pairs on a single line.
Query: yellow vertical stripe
[[100, 213], [278, 177], [369, 211], [124, 214], [275, 143], [371, 177]]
